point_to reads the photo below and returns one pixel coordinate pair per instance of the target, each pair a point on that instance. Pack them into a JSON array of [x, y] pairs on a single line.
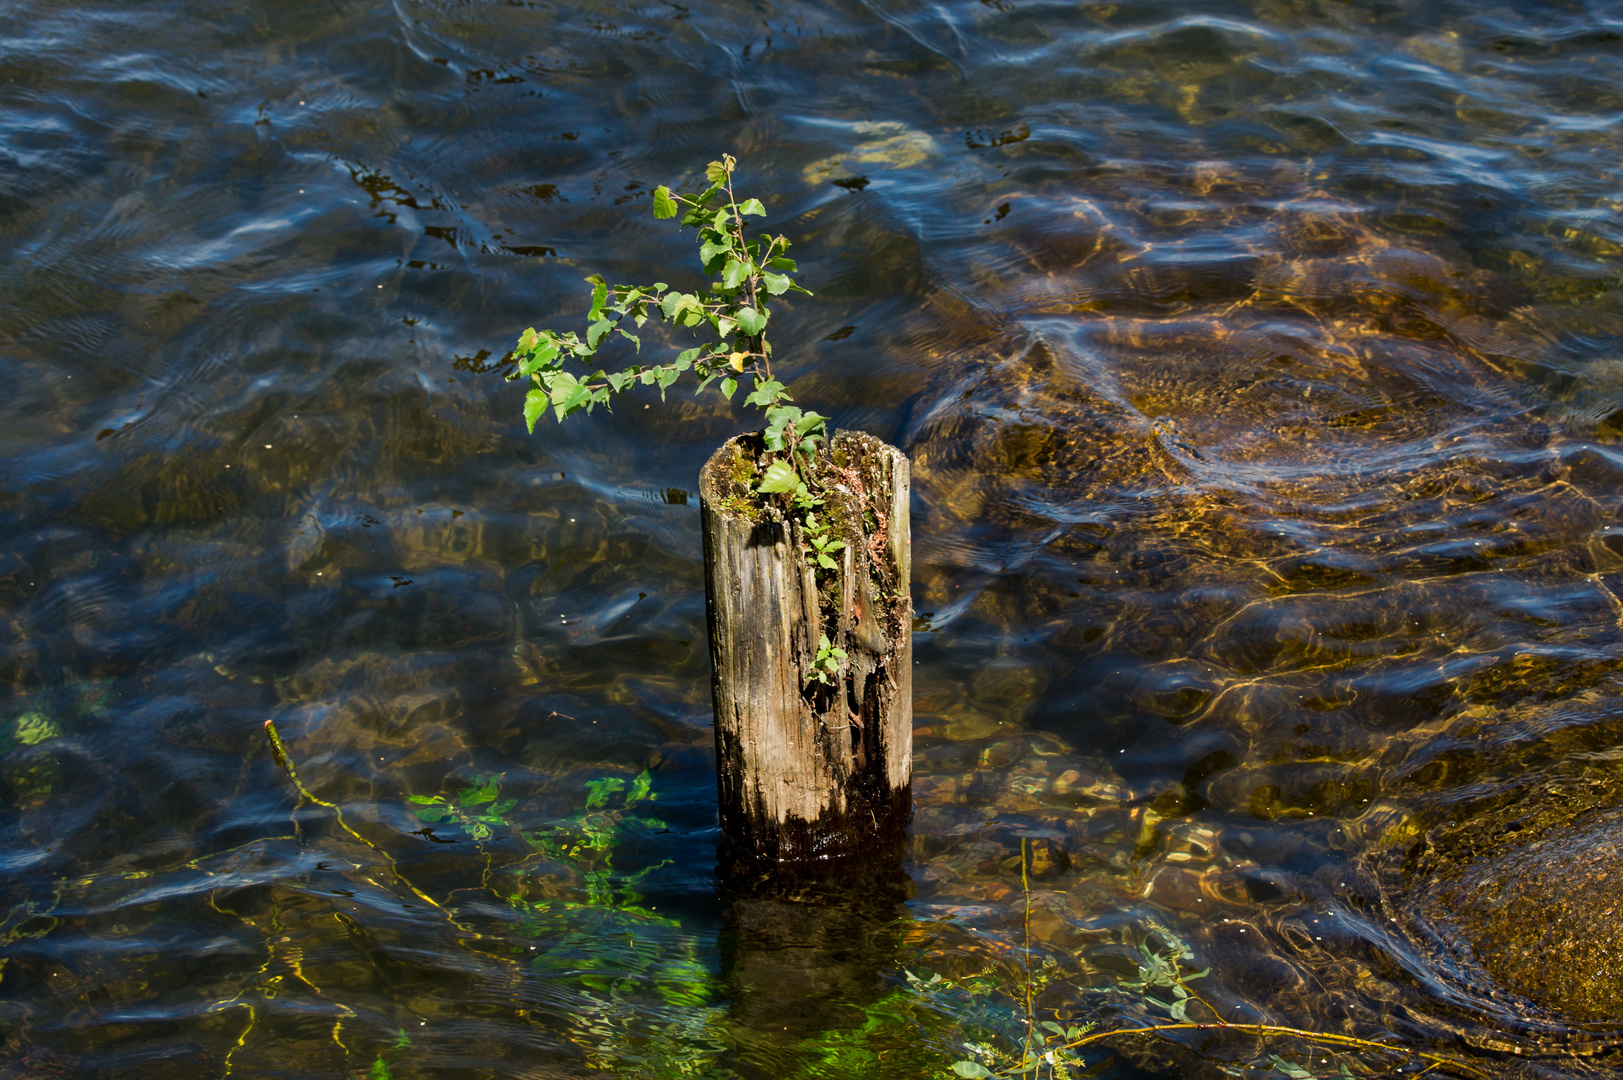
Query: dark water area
[[1261, 367]]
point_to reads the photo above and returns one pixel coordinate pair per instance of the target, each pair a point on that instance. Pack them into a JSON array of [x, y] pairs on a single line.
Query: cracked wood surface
[[806, 771]]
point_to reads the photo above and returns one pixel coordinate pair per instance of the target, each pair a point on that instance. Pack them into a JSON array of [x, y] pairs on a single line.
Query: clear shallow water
[[1259, 365]]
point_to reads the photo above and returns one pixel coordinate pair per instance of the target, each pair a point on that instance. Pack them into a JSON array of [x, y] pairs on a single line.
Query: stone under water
[[1545, 919]]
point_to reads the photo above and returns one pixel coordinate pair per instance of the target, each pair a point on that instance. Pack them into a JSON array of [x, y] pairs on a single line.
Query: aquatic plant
[[586, 842], [474, 810], [731, 314], [380, 1066], [1158, 1001], [643, 1002], [29, 767]]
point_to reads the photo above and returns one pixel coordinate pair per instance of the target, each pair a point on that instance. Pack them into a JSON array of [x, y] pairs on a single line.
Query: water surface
[[1259, 366]]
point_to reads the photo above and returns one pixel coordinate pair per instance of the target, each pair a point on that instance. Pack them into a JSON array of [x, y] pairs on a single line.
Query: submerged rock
[[1545, 919]]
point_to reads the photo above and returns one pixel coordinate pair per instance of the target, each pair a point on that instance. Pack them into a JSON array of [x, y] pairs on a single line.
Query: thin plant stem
[[1327, 1038], [1196, 997], [1025, 889], [749, 281], [285, 760]]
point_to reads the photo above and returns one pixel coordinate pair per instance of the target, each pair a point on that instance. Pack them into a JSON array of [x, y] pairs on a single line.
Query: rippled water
[[1260, 368]]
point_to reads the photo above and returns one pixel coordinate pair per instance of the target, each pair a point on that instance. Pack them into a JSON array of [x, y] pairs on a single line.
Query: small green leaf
[[733, 274], [1290, 1068], [380, 1070], [685, 358], [598, 791], [750, 321], [810, 424], [715, 174], [600, 294], [779, 415], [711, 249], [640, 787], [664, 205], [541, 355], [780, 477], [568, 395], [535, 403], [728, 388], [426, 800], [776, 284], [562, 383], [778, 262], [34, 727], [826, 563], [476, 796], [971, 1070], [629, 336], [767, 394], [595, 332], [752, 206]]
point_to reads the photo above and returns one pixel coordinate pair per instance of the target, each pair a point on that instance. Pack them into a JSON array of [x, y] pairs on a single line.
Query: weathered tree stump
[[808, 770]]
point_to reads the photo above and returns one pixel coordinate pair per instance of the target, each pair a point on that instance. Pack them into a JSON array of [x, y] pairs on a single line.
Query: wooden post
[[806, 770]]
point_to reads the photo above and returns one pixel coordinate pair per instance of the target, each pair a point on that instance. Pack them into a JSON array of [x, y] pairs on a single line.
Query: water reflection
[[1257, 365]]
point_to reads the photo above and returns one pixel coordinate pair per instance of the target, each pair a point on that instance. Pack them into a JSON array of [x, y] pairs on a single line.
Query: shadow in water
[[804, 948]]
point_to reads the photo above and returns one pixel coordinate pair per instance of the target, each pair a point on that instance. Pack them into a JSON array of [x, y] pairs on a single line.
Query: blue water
[[1258, 364]]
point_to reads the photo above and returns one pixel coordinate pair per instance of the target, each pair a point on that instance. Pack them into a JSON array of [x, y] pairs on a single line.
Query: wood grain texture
[[806, 771]]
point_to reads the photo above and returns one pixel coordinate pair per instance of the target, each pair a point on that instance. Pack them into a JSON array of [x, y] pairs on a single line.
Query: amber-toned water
[[1260, 368]]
